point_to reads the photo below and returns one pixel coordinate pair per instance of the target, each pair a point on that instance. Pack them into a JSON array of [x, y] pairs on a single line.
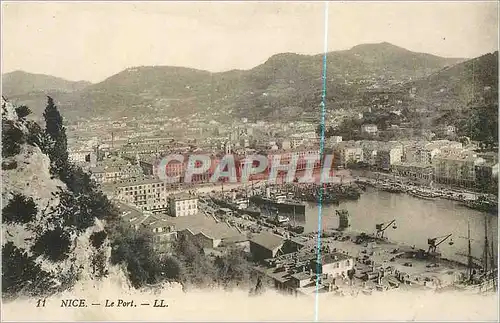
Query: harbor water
[[416, 221]]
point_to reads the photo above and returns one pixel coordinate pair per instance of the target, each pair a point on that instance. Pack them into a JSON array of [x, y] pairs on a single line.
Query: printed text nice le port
[[80, 302]]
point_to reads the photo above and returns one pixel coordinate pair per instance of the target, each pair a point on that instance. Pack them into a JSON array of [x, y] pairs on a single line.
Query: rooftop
[[302, 276], [133, 215], [183, 197], [268, 240], [202, 224]]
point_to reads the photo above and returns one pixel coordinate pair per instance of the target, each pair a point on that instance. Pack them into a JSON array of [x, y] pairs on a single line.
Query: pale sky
[[92, 41]]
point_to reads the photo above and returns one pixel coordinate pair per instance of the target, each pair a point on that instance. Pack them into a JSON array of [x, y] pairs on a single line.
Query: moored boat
[[423, 194], [392, 188], [282, 205]]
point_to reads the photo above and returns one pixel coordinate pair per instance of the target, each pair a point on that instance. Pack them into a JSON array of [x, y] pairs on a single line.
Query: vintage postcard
[[249, 161]]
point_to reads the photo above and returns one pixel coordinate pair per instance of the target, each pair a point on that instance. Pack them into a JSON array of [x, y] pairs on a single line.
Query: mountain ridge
[[20, 82], [284, 79]]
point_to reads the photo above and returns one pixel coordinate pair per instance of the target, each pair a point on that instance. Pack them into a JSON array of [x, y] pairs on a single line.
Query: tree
[[483, 125], [22, 112], [98, 238], [12, 139], [233, 267], [134, 249], [54, 244], [198, 269], [54, 128], [20, 273], [19, 209], [171, 268], [53, 119]]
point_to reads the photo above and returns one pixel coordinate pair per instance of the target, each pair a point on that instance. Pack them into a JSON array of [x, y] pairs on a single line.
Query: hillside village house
[[335, 139], [183, 205], [370, 129]]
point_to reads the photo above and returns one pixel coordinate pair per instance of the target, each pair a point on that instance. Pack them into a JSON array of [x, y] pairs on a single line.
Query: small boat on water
[[426, 195]]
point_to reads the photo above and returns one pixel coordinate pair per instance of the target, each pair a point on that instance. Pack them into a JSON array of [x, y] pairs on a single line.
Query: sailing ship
[[481, 277]]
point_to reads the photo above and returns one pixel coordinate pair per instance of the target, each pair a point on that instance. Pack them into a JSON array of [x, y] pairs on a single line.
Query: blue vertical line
[[321, 152]]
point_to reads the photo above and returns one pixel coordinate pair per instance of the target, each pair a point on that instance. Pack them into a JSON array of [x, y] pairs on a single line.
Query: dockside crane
[[435, 242], [381, 227]]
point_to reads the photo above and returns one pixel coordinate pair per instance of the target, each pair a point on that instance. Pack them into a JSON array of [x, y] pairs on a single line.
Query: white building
[[369, 129], [79, 156], [183, 204], [147, 194], [335, 139], [333, 265], [389, 154], [347, 152]]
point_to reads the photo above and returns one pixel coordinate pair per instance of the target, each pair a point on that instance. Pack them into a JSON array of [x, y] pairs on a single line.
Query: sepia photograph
[[249, 161]]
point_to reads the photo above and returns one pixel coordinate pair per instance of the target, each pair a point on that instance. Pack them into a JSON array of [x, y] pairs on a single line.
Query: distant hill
[[460, 85], [19, 82], [285, 85], [32, 89], [385, 57]]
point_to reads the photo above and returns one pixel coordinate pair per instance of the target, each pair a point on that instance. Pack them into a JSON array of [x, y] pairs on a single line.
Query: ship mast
[[492, 258], [294, 221], [486, 245], [469, 253], [493, 264]]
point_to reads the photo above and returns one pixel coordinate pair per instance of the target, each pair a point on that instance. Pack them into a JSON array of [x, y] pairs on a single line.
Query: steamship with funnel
[[279, 202]]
